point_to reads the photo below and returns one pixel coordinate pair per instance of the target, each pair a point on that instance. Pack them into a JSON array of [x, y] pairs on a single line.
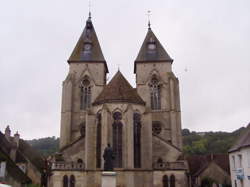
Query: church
[[142, 124]]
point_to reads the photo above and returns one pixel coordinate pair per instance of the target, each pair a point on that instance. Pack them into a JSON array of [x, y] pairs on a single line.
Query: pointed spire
[[88, 48], [152, 50]]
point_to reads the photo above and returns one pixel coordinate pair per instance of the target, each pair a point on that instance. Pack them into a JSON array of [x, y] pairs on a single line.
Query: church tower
[[159, 88], [142, 125], [84, 82]]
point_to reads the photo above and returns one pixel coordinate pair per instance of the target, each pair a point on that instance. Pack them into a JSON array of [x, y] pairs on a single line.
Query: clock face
[[87, 47], [151, 46]]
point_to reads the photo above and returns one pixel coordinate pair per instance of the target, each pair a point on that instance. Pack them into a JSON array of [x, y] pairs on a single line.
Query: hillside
[[209, 142], [193, 142]]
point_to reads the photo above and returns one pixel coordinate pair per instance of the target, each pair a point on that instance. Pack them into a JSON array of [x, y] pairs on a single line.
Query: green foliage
[[46, 146], [33, 185], [209, 142], [193, 142]]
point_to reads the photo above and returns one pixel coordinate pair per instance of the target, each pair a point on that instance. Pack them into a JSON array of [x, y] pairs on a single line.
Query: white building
[[239, 156]]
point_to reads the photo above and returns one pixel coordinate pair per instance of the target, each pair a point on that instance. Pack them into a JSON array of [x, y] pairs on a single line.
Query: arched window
[[172, 181], [137, 140], [79, 161], [155, 94], [117, 139], [98, 140], [165, 181], [65, 181], [156, 127], [85, 94], [83, 129], [72, 181]]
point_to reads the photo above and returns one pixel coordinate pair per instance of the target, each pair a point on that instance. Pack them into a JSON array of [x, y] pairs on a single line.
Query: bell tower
[[159, 88], [84, 82]]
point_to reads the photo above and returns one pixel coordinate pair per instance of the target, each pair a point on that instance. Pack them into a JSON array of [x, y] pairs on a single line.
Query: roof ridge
[[118, 90]]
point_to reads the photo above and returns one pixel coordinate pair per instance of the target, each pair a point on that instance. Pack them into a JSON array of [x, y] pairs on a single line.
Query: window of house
[[2, 169], [155, 94], [240, 161], [85, 94], [117, 139], [137, 140], [248, 158], [233, 160]]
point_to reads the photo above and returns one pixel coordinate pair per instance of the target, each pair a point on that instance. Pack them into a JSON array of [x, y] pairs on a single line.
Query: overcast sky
[[208, 40]]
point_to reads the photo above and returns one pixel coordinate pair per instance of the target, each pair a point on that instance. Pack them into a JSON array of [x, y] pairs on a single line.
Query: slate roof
[[13, 169], [160, 54], [243, 141], [24, 151], [198, 163], [118, 90], [88, 36]]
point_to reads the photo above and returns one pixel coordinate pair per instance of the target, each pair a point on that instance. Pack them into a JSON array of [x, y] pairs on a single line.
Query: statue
[[108, 156]]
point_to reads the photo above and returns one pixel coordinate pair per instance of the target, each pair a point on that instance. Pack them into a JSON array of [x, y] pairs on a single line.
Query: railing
[[68, 166], [179, 165]]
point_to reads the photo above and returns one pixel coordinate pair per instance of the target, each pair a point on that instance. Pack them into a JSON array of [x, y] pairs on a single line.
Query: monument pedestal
[[108, 179]]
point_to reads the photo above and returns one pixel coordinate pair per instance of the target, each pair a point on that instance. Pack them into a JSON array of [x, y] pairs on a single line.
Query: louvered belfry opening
[[117, 139], [85, 94], [155, 94]]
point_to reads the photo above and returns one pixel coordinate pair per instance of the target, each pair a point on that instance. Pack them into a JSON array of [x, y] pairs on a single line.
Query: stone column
[[146, 141], [129, 138], [66, 113], [105, 130], [174, 130], [90, 142]]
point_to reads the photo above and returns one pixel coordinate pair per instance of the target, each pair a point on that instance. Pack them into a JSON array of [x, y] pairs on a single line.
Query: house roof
[[159, 54], [118, 90], [198, 163], [12, 168], [243, 141], [94, 53], [24, 152]]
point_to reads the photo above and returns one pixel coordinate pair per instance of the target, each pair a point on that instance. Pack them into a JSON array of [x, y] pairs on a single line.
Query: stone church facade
[[142, 124]]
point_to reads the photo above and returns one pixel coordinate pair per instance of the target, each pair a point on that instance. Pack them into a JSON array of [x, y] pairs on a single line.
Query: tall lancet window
[[137, 140], [117, 139], [98, 140], [155, 94], [85, 94]]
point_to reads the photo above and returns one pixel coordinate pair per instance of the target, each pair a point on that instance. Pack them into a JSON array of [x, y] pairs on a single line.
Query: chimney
[[7, 133], [16, 138]]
